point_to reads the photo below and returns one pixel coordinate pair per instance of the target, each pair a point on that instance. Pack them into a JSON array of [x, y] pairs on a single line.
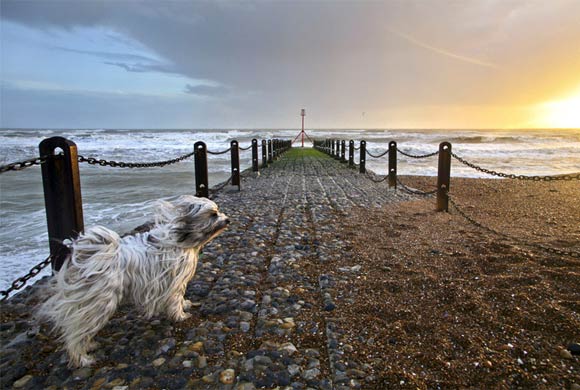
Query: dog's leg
[[84, 311], [175, 308], [187, 304], [176, 303], [92, 345]]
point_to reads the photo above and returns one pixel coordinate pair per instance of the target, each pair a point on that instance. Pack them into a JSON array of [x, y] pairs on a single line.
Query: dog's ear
[[192, 229], [165, 212]]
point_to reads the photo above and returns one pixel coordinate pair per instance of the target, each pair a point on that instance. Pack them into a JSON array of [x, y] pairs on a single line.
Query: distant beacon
[[302, 133]]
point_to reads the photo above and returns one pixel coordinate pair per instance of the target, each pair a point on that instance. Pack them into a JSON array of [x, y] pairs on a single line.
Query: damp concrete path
[[262, 309]]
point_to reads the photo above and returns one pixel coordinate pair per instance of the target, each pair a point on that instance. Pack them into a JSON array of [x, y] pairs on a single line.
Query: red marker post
[[302, 133]]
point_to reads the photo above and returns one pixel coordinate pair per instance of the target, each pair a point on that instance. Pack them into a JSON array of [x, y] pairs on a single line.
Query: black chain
[[372, 178], [222, 152], [355, 148], [221, 186], [551, 250], [379, 155], [574, 176], [120, 164], [414, 191], [249, 147], [418, 155], [18, 166], [21, 282]]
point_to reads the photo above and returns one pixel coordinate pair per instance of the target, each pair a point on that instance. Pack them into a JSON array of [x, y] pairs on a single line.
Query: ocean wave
[[119, 197]]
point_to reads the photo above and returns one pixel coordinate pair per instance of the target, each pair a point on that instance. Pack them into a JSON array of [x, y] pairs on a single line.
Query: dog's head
[[192, 221]]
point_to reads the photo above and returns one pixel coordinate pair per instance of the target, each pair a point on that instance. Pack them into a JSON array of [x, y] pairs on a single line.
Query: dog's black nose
[[227, 221]]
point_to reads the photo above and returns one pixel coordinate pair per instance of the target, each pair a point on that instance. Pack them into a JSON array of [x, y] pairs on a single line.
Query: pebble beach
[[315, 285]]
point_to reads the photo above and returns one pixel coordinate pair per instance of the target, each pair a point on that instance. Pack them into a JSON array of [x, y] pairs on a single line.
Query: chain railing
[[514, 176], [121, 164], [415, 191], [378, 155], [418, 156], [376, 179], [18, 166], [220, 152], [554, 251], [21, 281], [61, 181]]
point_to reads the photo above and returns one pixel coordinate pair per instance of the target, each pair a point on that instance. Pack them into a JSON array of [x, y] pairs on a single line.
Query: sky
[[233, 64]]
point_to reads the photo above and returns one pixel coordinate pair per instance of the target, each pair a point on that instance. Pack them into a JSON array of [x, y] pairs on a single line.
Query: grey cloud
[[109, 55], [140, 68], [206, 90], [336, 56]]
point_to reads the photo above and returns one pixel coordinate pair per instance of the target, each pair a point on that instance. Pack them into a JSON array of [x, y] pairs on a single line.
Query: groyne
[[270, 294], [262, 314]]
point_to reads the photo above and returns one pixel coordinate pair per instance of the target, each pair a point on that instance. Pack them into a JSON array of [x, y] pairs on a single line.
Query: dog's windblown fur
[[150, 270]]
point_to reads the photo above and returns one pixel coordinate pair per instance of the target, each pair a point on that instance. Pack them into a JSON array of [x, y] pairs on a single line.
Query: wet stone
[[20, 383]]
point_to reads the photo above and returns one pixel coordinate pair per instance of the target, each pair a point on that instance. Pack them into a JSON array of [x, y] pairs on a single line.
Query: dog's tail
[[88, 286]]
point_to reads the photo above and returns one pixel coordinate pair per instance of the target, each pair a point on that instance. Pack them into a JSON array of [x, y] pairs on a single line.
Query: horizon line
[[291, 128]]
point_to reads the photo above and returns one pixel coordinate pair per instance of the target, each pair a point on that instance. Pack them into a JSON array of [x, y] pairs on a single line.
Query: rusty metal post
[[351, 153], [264, 154], [393, 164], [342, 151], [363, 156], [270, 159], [62, 195], [255, 167], [200, 161], [443, 176], [235, 156]]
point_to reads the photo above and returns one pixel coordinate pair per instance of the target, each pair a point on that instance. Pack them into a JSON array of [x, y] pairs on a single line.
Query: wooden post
[[351, 153], [200, 160], [393, 164], [264, 154], [235, 156], [342, 151], [255, 167], [270, 158], [62, 195], [363, 156], [443, 176]]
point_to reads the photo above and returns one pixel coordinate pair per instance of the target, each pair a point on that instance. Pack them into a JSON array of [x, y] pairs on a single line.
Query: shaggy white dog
[[150, 270]]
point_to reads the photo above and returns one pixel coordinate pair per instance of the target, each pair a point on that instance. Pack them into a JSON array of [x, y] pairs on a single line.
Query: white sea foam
[[119, 198]]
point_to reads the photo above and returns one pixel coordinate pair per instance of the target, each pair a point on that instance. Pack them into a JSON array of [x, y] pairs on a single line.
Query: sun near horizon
[[561, 113]]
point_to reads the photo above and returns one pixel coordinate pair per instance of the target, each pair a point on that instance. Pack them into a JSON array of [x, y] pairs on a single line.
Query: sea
[[121, 198]]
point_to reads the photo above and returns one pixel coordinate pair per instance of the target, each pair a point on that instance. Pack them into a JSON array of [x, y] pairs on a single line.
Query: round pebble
[[228, 376], [158, 362]]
